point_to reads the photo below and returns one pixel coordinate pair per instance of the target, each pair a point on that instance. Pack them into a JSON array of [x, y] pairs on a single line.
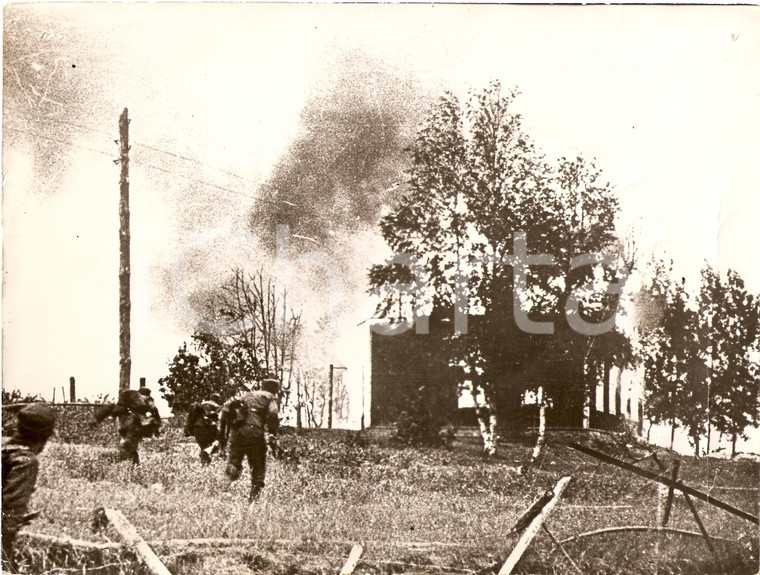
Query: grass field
[[415, 510]]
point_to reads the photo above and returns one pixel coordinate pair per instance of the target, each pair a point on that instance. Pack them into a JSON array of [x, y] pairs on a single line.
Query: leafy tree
[[730, 316], [196, 374], [700, 364], [674, 369], [476, 183]]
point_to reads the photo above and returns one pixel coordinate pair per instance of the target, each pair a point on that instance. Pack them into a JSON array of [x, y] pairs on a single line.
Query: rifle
[[28, 518]]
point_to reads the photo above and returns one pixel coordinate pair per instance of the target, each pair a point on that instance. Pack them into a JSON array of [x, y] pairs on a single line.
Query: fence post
[[142, 382], [72, 389]]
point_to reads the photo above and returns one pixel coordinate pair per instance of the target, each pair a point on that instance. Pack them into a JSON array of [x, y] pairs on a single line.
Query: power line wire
[[148, 146], [134, 161]]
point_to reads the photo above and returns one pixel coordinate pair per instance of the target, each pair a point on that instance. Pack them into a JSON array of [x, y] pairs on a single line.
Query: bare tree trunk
[[586, 397], [299, 423], [733, 446], [541, 439], [486, 422]]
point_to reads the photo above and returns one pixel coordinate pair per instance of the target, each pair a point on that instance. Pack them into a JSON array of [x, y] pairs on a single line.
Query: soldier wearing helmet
[[202, 424], [246, 422], [34, 426]]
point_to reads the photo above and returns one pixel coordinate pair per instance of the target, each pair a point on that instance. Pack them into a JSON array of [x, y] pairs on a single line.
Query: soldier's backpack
[[238, 413], [131, 400]]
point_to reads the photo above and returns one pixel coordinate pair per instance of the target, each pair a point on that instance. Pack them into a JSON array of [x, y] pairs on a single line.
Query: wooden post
[[142, 382], [353, 559], [299, 421], [671, 489], [72, 389], [703, 531], [63, 394], [125, 360], [132, 538], [330, 402], [362, 419], [530, 533]]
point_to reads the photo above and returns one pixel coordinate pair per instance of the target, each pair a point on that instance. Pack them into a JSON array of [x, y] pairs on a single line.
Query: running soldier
[[151, 420], [34, 426], [247, 422], [137, 419], [202, 424]]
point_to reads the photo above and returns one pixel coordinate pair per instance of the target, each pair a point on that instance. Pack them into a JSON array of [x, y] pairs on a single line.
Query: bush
[[419, 427]]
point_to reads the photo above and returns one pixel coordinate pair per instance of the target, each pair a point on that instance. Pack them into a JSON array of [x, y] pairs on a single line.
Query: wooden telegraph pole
[[330, 402], [125, 360]]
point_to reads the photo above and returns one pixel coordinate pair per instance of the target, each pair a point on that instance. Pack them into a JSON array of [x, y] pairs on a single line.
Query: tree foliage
[[197, 373], [700, 354], [730, 321], [674, 368], [476, 181]]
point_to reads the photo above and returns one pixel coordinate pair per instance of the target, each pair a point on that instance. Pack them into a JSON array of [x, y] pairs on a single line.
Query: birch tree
[[476, 183]]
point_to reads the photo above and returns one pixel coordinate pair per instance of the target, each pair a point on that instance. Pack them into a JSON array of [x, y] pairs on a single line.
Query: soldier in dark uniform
[[151, 420], [137, 419], [202, 424], [245, 422], [34, 426]]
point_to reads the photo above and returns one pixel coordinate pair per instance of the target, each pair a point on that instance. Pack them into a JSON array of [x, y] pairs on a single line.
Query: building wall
[[408, 367]]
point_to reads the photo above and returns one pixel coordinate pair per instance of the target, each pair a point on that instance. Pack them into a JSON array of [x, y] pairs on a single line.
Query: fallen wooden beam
[[67, 542], [353, 559], [530, 533], [132, 538], [532, 512], [667, 481]]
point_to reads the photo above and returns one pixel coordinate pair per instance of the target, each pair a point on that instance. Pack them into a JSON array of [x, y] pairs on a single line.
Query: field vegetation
[[414, 509]]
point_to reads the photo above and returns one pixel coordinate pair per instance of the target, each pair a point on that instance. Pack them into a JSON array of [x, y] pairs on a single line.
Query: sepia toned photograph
[[376, 289]]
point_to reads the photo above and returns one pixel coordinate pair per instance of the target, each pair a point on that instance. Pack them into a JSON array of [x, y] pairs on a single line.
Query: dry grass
[[414, 510]]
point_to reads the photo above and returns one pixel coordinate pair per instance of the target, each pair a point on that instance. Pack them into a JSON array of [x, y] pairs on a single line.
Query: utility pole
[[330, 403], [299, 423], [362, 419], [125, 360]]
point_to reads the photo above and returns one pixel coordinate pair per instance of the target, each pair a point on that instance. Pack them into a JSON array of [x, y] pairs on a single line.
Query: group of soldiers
[[242, 428]]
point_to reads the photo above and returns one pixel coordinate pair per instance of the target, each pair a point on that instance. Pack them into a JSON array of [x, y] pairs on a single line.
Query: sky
[[665, 98]]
